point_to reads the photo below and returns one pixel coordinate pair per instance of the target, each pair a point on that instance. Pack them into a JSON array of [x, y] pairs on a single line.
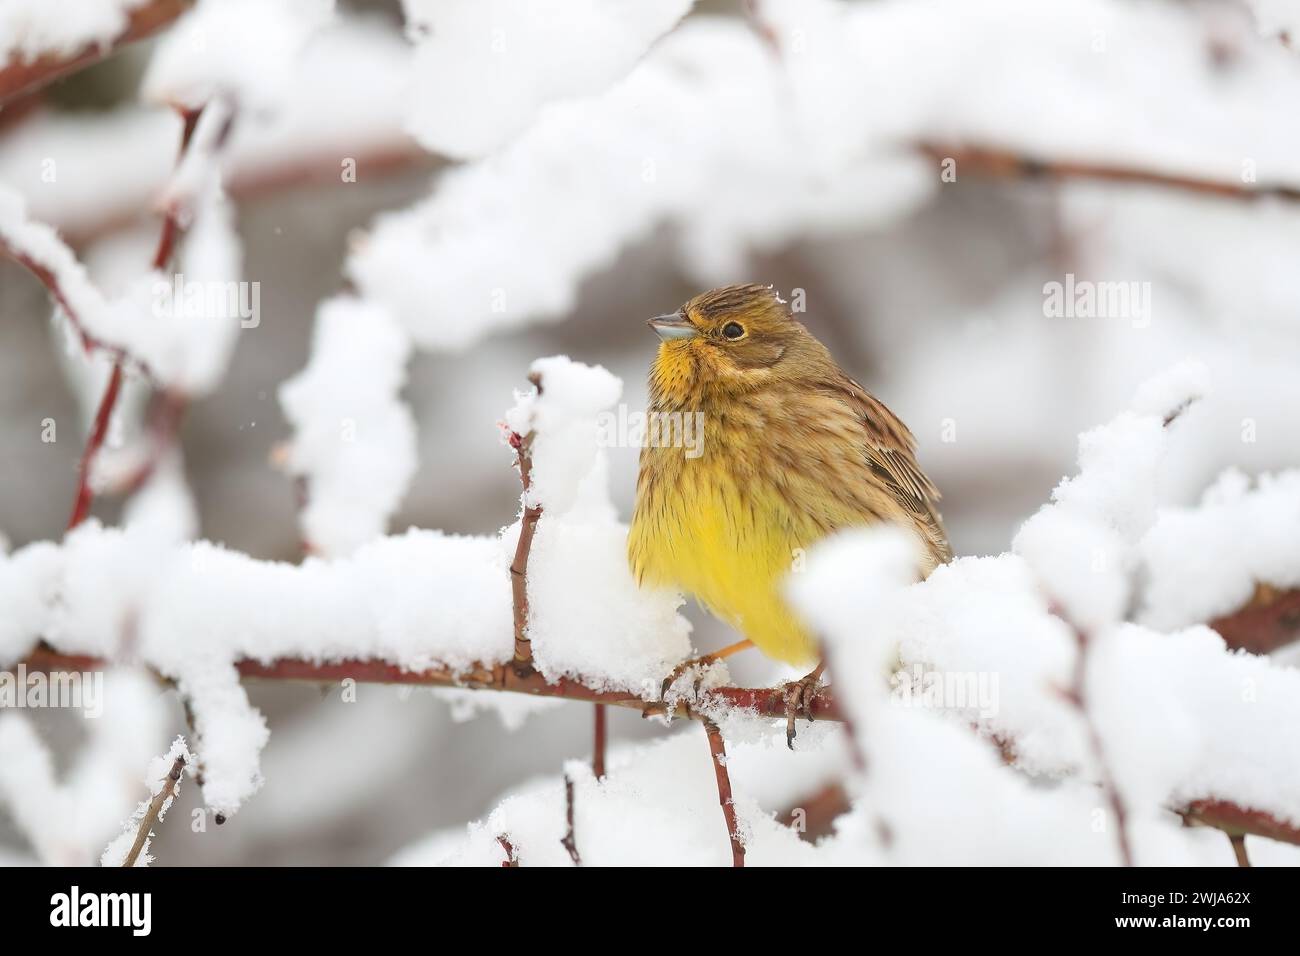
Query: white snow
[[34, 28], [484, 68], [823, 133], [33, 240], [1206, 560], [418, 600], [611, 169], [581, 129], [245, 50], [607, 630], [184, 339], [69, 817], [110, 165], [354, 438]]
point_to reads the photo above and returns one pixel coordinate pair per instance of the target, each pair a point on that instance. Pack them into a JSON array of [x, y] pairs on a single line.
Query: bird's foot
[[799, 697]]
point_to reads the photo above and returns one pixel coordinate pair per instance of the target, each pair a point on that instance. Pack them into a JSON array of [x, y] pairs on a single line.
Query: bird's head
[[729, 339]]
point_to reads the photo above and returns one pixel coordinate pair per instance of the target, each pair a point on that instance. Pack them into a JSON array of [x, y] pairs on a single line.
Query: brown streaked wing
[[891, 453]]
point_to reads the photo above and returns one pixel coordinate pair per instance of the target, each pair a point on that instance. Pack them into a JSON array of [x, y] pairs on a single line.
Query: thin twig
[[155, 810], [512, 858], [172, 224], [718, 749], [1077, 695], [85, 495], [166, 247], [570, 841], [1238, 841], [188, 709], [997, 162], [523, 444], [54, 287], [598, 745]]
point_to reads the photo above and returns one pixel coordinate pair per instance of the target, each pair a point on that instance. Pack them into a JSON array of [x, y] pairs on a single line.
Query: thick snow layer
[[1206, 560], [416, 600], [1181, 717], [111, 165], [988, 644], [606, 630], [34, 28], [824, 133], [179, 328], [354, 438], [483, 68], [611, 169], [667, 789], [244, 50]]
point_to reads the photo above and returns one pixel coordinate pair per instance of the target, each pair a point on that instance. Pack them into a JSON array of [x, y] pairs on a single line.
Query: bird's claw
[[799, 697], [701, 667]]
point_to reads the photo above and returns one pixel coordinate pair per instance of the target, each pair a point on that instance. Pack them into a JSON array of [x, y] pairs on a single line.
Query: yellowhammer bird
[[793, 449]]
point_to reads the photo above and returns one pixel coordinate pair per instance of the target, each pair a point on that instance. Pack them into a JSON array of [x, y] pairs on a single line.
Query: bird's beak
[[669, 327]]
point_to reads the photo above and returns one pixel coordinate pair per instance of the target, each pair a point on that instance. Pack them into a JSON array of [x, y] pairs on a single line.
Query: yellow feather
[[793, 450], [732, 552]]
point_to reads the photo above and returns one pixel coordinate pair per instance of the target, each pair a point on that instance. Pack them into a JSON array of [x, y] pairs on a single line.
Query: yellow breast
[[729, 547], [783, 465]]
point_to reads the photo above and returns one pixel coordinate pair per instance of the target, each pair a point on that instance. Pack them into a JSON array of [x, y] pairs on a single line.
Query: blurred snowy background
[[537, 179]]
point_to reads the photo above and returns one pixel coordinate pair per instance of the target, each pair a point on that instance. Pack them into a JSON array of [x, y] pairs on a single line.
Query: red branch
[[1270, 620], [171, 228], [763, 702], [719, 751], [98, 432], [52, 285], [601, 735], [760, 701], [170, 232], [1003, 163], [1234, 819], [19, 76]]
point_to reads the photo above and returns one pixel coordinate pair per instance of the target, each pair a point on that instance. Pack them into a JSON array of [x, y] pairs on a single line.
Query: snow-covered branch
[[1097, 689], [52, 45], [764, 702], [1000, 163]]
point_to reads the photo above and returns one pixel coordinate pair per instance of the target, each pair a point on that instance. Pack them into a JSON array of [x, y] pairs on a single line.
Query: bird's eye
[[733, 330]]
